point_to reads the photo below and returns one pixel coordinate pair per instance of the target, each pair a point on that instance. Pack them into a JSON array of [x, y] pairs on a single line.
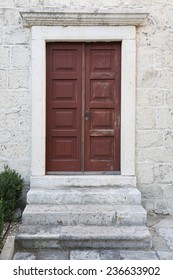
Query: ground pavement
[[160, 227]]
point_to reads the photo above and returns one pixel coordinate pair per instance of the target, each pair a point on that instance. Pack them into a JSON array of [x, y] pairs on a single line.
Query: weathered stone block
[[81, 3], [165, 118], [167, 234], [170, 206], [161, 206], [4, 57], [3, 79], [18, 79], [165, 255], [145, 173], [11, 17], [1, 37], [109, 255], [153, 191], [148, 77], [155, 40], [21, 56], [16, 122], [159, 155], [146, 118], [6, 3], [150, 97], [84, 255], [163, 57], [24, 256], [15, 99], [53, 255], [149, 138], [148, 204], [16, 35], [22, 166], [167, 191], [28, 3], [156, 77], [140, 155], [164, 173], [168, 140], [1, 17], [2, 120], [138, 255], [169, 99], [148, 62], [5, 137]]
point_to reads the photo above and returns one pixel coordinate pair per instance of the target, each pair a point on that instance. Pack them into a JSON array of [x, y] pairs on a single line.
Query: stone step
[[55, 181], [85, 195], [83, 237], [71, 215]]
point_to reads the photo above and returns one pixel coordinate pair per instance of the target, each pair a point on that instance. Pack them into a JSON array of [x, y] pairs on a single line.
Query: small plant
[[1, 220], [11, 185]]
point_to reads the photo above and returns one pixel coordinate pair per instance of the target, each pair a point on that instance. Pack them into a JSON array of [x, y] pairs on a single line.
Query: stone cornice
[[53, 18]]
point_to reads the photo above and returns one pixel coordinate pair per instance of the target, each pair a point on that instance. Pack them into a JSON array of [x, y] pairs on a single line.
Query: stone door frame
[[82, 33]]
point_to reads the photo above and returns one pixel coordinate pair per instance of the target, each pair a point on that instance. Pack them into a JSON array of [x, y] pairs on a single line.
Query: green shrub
[[11, 185], [1, 219]]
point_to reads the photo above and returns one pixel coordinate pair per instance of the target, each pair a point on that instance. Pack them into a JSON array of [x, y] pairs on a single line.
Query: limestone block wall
[[154, 95], [15, 91]]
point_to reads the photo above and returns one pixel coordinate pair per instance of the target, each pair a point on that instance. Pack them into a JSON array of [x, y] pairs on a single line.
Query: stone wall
[[154, 96], [15, 93]]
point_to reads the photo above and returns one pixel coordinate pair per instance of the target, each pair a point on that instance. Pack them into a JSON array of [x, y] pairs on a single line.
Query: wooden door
[[102, 126], [83, 107], [63, 118]]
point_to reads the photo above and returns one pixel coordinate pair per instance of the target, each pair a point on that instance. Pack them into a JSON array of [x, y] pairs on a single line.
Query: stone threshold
[[82, 180]]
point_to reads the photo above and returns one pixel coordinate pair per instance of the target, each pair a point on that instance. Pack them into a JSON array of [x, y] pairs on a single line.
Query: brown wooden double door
[[83, 107]]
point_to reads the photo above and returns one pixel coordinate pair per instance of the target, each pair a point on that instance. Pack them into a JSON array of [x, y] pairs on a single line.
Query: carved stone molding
[[53, 18]]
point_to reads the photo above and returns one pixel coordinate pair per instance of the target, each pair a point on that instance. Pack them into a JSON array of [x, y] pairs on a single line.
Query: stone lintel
[[53, 18]]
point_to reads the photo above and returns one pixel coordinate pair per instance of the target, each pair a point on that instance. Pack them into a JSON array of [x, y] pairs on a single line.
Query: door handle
[[87, 115]]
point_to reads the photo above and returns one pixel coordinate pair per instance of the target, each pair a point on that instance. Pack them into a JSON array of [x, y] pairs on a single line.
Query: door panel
[[63, 143], [102, 127], [83, 107]]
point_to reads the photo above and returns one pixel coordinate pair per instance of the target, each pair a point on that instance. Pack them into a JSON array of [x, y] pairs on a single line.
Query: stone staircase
[[66, 217]]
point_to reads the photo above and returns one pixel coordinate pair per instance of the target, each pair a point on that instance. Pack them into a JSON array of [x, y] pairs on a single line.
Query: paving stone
[[165, 255], [24, 256], [138, 255], [53, 255], [158, 242], [167, 234], [165, 223], [153, 219], [109, 255], [84, 255]]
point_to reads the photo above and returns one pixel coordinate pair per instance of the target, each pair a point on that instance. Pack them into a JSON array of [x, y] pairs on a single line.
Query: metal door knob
[[87, 115]]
